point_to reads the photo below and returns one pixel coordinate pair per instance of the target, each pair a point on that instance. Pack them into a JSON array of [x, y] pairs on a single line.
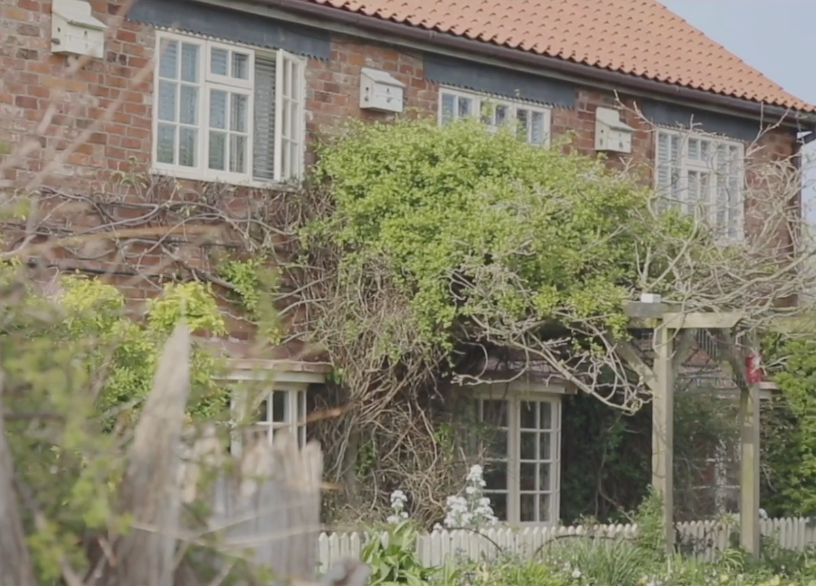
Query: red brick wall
[[33, 79]]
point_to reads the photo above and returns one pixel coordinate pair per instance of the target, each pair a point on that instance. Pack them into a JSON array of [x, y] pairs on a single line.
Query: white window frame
[[207, 81], [514, 395], [245, 402], [480, 101], [683, 165]]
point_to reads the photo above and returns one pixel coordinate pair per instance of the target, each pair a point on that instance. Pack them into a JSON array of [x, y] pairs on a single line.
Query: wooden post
[[749, 468], [663, 428]]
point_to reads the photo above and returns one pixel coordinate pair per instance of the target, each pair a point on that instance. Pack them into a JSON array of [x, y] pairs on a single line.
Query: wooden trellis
[[671, 327]]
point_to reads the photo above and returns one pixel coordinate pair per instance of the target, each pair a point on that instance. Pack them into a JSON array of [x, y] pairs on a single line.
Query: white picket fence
[[703, 538]]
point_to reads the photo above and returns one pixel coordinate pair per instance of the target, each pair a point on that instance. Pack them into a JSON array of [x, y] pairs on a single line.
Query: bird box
[[380, 91], [611, 134], [75, 31]]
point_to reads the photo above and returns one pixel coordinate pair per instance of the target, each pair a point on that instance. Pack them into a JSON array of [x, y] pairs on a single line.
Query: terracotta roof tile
[[639, 37]]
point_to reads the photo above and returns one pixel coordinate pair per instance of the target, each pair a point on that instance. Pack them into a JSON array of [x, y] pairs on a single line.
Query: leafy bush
[[76, 369], [789, 428], [392, 557]]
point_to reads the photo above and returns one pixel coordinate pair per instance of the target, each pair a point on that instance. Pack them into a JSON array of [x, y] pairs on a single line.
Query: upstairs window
[[227, 113], [532, 121], [703, 176]]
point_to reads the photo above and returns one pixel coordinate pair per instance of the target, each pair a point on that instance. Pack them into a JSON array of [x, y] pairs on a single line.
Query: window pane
[[240, 66], [187, 146], [189, 63], [675, 147], [527, 445], [495, 413], [501, 114], [168, 60], [487, 112], [544, 508], [544, 446], [497, 443], [294, 157], [544, 477], [545, 415], [498, 501], [527, 503], [219, 61], [286, 168], [523, 118], [238, 113], [465, 107], [537, 128], [166, 143], [263, 411], [495, 476], [218, 151], [527, 477], [238, 154], [301, 408], [280, 400], [448, 108], [705, 151], [694, 149], [528, 415], [167, 100], [218, 109], [188, 112]]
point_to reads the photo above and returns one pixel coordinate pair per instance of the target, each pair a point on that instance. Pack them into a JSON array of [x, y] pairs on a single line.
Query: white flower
[[398, 501], [576, 573], [472, 510]]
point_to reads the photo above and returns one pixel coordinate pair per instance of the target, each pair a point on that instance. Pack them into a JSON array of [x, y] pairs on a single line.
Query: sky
[[775, 36]]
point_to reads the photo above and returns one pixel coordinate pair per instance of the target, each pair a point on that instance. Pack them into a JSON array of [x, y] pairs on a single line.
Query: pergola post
[[749, 457], [663, 428]]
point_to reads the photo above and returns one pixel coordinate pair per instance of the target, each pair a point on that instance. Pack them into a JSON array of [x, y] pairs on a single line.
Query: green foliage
[[128, 349], [252, 284], [526, 232], [789, 442], [392, 557], [76, 371], [243, 276]]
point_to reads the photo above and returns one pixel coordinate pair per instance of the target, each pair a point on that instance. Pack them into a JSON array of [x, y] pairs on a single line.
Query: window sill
[[230, 182]]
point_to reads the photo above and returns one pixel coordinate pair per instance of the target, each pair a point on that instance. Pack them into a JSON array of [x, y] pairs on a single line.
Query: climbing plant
[[789, 427], [421, 248], [75, 370]]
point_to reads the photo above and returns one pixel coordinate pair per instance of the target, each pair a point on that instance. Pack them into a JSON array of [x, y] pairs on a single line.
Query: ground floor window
[[522, 446], [268, 409]]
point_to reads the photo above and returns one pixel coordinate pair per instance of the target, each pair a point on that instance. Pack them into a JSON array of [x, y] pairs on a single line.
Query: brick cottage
[[241, 89]]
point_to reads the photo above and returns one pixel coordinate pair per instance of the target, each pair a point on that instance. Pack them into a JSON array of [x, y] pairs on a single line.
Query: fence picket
[[705, 538]]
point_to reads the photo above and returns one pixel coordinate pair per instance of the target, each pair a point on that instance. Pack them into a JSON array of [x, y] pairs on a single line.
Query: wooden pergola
[[667, 322]]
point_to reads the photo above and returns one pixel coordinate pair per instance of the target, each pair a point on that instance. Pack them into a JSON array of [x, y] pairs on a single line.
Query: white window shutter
[[279, 70], [290, 131], [664, 171], [264, 118]]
